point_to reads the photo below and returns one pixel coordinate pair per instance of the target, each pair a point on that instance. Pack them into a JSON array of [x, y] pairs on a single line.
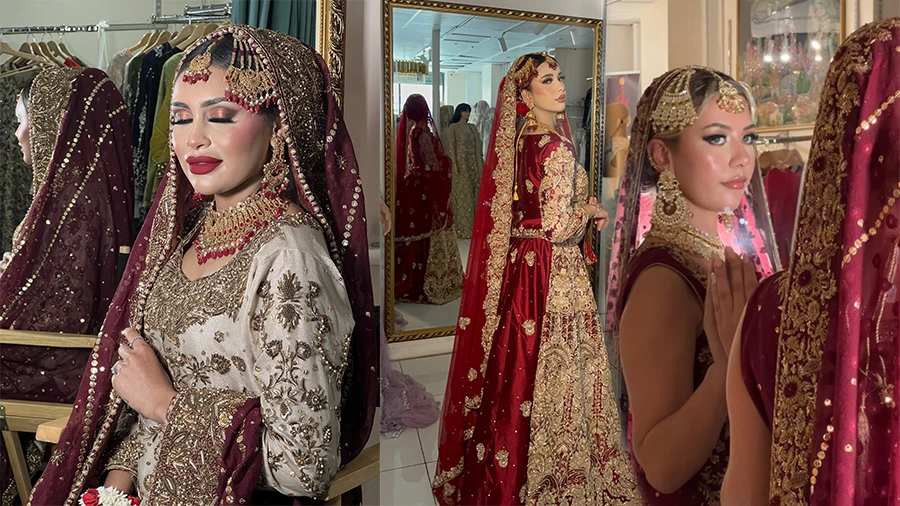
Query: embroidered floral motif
[[525, 408], [464, 322], [502, 458], [479, 448], [528, 325], [529, 258], [472, 374]]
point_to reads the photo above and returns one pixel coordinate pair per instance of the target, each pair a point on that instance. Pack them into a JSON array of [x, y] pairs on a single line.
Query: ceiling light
[[502, 42], [574, 35], [785, 57], [815, 44], [767, 58]]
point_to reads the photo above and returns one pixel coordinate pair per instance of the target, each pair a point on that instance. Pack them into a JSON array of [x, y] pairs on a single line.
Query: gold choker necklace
[[227, 232]]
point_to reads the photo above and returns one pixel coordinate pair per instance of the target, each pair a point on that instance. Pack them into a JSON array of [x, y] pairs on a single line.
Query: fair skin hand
[[140, 379], [747, 478], [676, 427], [731, 283], [208, 128], [23, 132]]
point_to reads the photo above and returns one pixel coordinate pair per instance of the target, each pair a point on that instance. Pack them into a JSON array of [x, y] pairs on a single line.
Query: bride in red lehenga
[[428, 268], [529, 416]]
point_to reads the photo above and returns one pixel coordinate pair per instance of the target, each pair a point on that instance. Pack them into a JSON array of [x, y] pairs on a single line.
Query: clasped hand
[[140, 380], [731, 283]]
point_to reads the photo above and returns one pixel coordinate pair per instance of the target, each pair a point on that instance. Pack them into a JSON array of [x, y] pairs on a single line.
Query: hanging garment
[[15, 174]]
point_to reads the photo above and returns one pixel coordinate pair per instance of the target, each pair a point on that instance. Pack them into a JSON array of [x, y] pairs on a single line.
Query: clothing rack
[[212, 13], [766, 141]]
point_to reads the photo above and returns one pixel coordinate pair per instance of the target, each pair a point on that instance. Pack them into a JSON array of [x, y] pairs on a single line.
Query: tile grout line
[[404, 467]]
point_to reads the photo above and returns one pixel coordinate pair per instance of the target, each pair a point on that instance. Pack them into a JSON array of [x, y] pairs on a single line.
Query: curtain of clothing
[[296, 18]]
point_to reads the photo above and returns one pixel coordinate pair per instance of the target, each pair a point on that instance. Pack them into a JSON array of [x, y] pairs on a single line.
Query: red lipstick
[[202, 164]]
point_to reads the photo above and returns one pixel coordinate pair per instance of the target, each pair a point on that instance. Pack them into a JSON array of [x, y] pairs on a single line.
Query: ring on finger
[[131, 343]]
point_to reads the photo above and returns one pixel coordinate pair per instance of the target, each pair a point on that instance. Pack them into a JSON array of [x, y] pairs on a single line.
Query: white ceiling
[[469, 42]]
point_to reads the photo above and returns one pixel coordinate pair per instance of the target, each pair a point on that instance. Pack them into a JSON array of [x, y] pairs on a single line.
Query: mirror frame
[[331, 41], [388, 126]]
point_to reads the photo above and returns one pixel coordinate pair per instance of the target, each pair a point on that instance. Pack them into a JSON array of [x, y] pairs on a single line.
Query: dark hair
[[416, 107], [457, 114], [26, 94], [220, 58]]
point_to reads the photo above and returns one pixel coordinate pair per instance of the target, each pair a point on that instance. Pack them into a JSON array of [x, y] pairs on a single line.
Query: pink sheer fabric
[[829, 338]]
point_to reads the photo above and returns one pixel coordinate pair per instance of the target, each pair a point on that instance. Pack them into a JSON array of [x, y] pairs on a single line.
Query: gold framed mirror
[[331, 40], [456, 55]]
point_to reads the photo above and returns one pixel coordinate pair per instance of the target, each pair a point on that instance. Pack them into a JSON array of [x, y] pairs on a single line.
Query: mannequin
[[617, 120]]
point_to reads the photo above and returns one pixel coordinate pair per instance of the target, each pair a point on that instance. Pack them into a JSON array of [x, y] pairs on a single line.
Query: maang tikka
[[675, 110], [248, 82]]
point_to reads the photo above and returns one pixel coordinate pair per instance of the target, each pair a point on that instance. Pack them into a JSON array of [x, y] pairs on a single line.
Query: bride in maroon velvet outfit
[[61, 273], [691, 158], [428, 269], [529, 416], [814, 374]]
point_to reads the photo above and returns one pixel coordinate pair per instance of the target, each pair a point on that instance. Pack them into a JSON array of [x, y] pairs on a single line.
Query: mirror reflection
[[447, 69]]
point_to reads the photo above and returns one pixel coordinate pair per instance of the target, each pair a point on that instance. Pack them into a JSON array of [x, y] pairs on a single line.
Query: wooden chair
[[27, 416], [363, 468]]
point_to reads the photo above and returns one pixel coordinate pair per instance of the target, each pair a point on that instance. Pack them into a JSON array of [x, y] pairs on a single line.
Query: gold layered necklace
[[227, 232]]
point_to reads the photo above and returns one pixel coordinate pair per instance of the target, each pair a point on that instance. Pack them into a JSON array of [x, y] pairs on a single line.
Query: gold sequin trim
[[873, 118], [864, 238]]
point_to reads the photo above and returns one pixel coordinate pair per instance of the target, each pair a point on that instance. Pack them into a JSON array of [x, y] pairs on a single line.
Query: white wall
[[456, 84], [474, 87], [83, 12], [620, 48], [491, 77], [654, 34]]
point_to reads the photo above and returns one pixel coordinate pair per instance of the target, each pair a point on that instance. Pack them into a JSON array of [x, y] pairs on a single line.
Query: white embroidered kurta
[[274, 323]]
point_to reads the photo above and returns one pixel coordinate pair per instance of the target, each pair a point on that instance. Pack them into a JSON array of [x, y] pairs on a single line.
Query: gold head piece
[[525, 69], [198, 70], [675, 110], [730, 99], [248, 81]]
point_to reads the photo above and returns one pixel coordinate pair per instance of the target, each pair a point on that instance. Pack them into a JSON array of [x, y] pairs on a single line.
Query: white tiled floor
[[408, 461]]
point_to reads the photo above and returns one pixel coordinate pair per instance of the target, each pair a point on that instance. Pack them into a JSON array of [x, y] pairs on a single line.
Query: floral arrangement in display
[[107, 496], [786, 56]]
